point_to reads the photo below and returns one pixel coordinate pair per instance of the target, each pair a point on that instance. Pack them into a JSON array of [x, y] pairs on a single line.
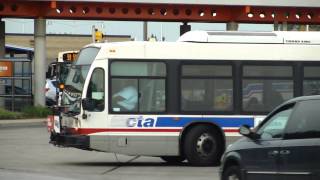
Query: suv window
[[274, 127], [305, 121]]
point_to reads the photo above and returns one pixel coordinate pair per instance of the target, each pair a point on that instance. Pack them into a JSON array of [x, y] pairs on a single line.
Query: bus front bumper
[[75, 141]]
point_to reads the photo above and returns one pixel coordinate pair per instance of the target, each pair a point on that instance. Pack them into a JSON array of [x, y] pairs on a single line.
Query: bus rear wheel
[[173, 159], [202, 146]]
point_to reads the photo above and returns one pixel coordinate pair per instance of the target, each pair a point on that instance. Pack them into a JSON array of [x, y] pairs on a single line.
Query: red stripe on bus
[[92, 130], [231, 130], [85, 131]]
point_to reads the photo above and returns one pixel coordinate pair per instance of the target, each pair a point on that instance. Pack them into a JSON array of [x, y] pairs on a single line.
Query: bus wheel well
[[216, 130]]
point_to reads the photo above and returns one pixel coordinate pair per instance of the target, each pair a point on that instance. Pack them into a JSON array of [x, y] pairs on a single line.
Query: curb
[[23, 122]]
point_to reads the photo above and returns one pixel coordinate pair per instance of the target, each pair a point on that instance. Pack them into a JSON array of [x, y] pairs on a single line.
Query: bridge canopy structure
[[242, 11]]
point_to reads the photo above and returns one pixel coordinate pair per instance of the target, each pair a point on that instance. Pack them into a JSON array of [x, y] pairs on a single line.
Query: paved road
[[26, 154]]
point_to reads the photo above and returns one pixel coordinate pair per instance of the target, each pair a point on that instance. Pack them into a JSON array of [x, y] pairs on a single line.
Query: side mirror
[[88, 104], [246, 131]]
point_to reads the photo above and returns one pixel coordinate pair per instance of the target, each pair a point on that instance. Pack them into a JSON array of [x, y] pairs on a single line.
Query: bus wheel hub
[[205, 144]]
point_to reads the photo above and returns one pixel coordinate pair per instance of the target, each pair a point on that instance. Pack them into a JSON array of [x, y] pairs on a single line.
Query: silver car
[[51, 91]]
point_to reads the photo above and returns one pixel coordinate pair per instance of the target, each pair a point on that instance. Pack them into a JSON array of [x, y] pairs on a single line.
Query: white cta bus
[[178, 100]]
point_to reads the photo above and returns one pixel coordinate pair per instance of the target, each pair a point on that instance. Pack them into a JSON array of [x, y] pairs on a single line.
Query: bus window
[[140, 89], [69, 56], [126, 68], [63, 71], [311, 81], [124, 95], [87, 56], [152, 95], [52, 70], [207, 88], [265, 87], [95, 90]]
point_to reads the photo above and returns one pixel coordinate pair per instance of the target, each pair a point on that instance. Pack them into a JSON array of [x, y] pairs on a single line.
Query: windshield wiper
[[71, 113], [71, 88]]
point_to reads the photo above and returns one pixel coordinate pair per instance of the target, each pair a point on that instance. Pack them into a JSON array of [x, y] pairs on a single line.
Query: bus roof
[[275, 37], [295, 46]]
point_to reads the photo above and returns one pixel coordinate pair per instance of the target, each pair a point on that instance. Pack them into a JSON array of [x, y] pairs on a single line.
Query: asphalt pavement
[[26, 154], [23, 122]]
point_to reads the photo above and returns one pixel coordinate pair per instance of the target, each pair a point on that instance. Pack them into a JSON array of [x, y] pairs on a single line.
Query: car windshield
[[71, 95]]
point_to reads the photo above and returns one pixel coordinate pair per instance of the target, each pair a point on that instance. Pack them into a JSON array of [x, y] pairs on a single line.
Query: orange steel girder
[[157, 12]]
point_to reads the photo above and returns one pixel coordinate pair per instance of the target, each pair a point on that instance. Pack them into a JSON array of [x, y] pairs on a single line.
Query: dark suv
[[286, 145]]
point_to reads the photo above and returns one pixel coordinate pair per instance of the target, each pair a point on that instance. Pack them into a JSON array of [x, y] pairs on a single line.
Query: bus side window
[[124, 95], [266, 86], [206, 88], [138, 87]]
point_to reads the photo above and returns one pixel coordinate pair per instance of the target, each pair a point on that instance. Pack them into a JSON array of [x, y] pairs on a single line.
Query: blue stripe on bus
[[221, 121]]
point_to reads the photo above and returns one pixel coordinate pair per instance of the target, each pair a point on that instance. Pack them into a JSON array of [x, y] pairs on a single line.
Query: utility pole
[[93, 34], [232, 26], [145, 31], [184, 28]]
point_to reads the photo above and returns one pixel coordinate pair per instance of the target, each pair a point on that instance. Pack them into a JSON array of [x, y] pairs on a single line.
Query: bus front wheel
[[202, 146]]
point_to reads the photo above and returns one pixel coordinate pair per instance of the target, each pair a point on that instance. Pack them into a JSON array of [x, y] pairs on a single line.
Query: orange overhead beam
[[157, 12], [53, 5]]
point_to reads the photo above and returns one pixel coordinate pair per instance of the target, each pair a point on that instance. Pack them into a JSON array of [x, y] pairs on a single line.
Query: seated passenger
[[127, 98]]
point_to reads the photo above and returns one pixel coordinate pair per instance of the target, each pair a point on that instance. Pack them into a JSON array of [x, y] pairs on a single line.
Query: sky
[[169, 30]]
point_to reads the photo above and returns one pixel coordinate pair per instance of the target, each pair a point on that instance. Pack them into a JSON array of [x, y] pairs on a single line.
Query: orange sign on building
[[5, 69]]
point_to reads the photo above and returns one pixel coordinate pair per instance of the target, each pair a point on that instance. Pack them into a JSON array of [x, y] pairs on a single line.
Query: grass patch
[[35, 112], [27, 112], [5, 114]]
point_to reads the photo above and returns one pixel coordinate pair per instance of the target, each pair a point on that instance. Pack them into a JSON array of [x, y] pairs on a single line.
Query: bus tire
[[202, 147], [173, 159]]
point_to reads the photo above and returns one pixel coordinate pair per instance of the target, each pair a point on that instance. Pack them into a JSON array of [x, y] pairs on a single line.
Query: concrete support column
[[284, 26], [184, 28], [2, 39], [276, 26], [232, 26], [39, 61], [2, 54], [145, 31]]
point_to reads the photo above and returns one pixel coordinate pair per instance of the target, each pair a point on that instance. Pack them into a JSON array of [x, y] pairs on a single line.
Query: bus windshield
[[64, 69], [71, 95]]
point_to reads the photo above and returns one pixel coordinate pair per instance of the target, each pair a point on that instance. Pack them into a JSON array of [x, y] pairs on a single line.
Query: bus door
[[94, 114]]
